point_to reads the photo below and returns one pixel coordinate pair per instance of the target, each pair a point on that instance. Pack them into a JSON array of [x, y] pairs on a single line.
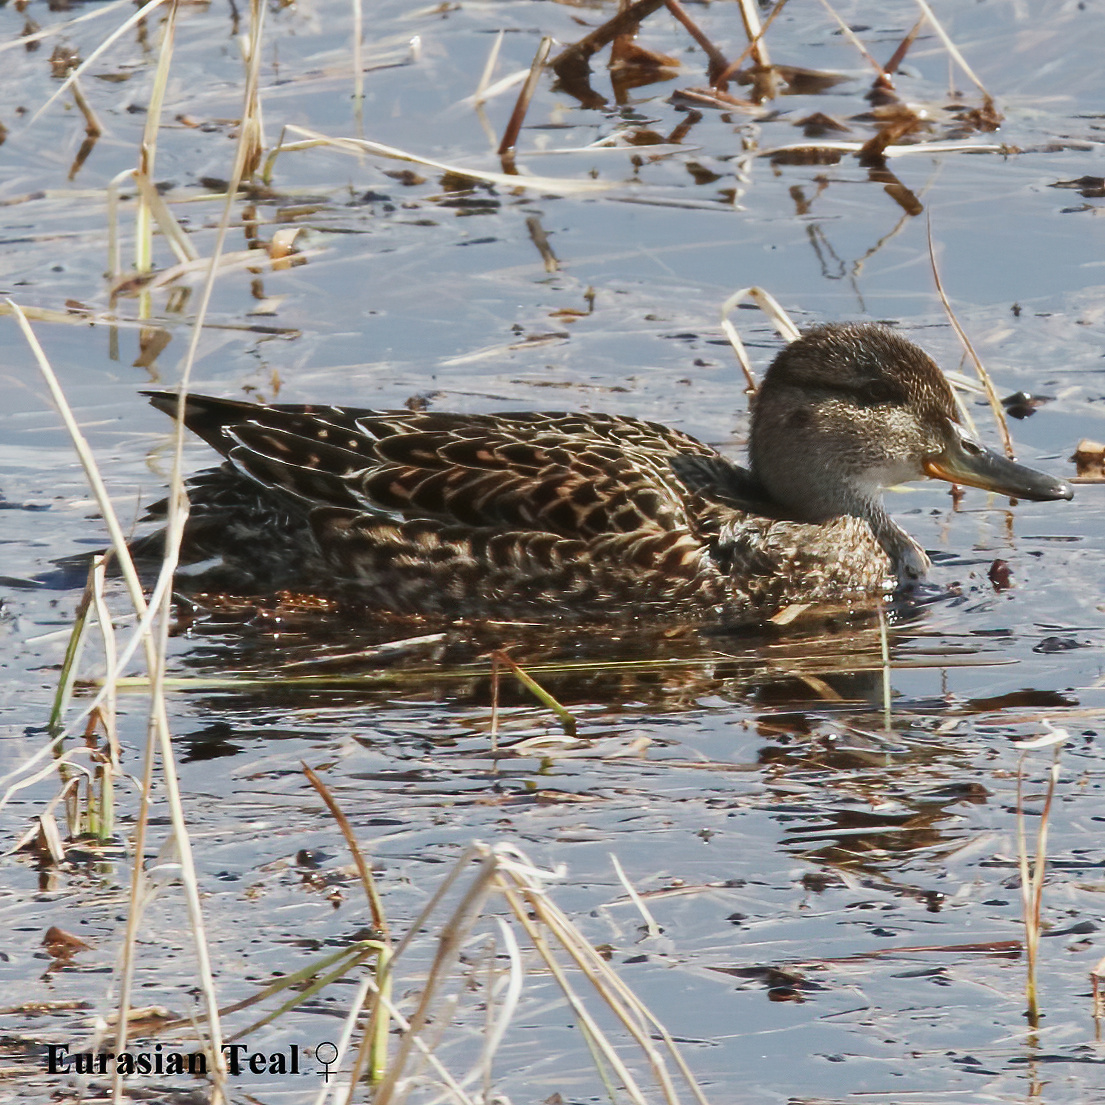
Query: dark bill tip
[[965, 461]]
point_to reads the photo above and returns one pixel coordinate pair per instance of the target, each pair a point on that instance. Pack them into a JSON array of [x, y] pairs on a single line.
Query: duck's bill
[[965, 461]]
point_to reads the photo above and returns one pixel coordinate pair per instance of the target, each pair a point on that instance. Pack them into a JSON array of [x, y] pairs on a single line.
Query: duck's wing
[[719, 481], [568, 474]]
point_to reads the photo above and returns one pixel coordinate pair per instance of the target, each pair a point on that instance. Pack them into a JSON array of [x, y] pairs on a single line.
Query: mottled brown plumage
[[591, 515]]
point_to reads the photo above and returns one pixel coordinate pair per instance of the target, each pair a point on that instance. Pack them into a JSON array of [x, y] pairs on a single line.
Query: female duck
[[521, 515]]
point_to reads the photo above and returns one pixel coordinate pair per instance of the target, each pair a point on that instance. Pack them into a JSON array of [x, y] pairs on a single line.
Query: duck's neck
[[907, 559]]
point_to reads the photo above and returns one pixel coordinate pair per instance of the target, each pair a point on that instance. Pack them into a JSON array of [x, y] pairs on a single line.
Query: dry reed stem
[[754, 31], [573, 61], [1097, 973], [716, 59], [107, 709], [92, 125], [727, 73], [176, 514], [605, 980], [492, 91], [495, 710], [896, 58], [104, 809], [88, 461], [349, 1026], [496, 1028], [64, 759], [506, 870], [147, 150], [114, 251], [521, 105], [425, 1052], [48, 835], [234, 261]]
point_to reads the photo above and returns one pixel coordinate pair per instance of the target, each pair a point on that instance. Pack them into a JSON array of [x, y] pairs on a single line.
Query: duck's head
[[850, 409]]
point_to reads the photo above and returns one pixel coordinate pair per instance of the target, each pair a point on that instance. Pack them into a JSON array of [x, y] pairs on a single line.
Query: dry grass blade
[[101, 807], [567, 721], [234, 261], [1096, 975], [884, 643], [912, 150], [114, 252], [159, 720], [379, 920], [359, 146], [770, 307], [423, 1049], [497, 1029], [143, 174], [506, 871], [953, 50], [484, 83], [24, 40], [88, 461], [173, 232], [881, 75], [448, 950], [159, 726], [81, 69], [66, 759], [983, 375], [1032, 883], [532, 907], [650, 921], [358, 53], [71, 661]]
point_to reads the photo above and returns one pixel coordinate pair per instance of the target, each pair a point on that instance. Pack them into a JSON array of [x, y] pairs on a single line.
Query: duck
[[586, 516]]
